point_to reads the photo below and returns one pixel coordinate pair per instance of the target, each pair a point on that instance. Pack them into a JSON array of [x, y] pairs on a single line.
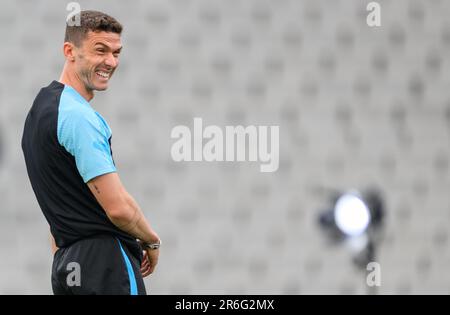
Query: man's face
[[97, 58]]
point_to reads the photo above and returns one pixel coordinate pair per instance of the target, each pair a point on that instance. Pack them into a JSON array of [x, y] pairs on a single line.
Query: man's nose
[[111, 61]]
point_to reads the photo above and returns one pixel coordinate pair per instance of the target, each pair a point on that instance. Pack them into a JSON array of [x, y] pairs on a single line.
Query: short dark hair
[[95, 21]]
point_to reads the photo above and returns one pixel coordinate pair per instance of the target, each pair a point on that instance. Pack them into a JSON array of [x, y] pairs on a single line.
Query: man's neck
[[72, 80]]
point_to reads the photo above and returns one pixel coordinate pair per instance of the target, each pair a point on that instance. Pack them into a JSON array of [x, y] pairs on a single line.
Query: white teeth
[[103, 74]]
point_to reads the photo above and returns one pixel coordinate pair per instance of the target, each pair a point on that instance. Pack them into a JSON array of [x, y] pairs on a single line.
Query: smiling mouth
[[103, 75]]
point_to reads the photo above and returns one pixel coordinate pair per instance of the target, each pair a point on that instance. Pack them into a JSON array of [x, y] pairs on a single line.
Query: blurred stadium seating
[[356, 106]]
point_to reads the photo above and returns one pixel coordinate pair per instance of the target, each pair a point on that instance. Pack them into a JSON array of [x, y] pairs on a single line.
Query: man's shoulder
[[71, 108], [49, 94], [76, 114]]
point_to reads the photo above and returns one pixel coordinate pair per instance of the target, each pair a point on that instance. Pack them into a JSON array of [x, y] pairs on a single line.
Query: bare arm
[[121, 208]]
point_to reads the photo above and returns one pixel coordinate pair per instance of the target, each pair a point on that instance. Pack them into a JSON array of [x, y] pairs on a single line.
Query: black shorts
[[97, 265]]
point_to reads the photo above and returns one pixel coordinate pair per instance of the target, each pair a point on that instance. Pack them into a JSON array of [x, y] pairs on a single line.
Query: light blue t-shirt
[[84, 134]]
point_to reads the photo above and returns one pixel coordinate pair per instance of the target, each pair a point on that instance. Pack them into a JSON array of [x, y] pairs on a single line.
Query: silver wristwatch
[[152, 245]]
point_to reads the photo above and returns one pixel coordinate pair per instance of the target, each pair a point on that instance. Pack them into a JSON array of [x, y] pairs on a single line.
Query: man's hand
[[54, 247], [149, 261]]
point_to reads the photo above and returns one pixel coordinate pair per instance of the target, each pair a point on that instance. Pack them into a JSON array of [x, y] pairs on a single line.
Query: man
[[97, 227]]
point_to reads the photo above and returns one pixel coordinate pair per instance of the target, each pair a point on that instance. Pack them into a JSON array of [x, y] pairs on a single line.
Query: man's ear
[[68, 50]]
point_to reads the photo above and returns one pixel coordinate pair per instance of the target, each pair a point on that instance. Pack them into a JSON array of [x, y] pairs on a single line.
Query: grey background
[[356, 106]]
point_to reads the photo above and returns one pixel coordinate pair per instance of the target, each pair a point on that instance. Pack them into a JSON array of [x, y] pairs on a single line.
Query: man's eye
[[100, 50]]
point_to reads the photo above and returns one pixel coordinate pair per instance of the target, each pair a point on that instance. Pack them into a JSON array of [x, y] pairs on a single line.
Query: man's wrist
[[152, 244]]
